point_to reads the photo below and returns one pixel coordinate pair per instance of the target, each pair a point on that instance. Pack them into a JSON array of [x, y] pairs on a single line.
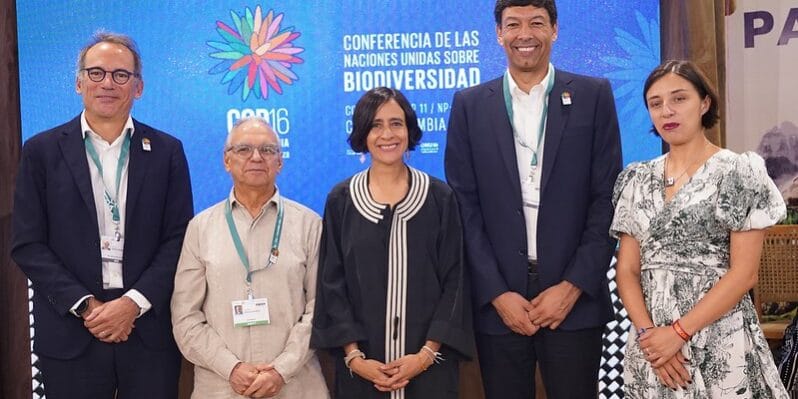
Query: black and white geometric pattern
[[615, 335], [37, 383]]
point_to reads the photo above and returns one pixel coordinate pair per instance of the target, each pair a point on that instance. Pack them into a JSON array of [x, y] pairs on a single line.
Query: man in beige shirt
[[246, 282]]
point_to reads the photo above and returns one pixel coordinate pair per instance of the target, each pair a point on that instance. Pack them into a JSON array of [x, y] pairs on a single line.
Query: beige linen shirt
[[210, 276]]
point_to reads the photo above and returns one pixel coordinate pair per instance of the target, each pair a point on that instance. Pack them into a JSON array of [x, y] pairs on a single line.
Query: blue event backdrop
[[322, 57]]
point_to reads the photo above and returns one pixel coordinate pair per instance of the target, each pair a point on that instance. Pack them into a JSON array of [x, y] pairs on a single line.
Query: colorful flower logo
[[255, 54]]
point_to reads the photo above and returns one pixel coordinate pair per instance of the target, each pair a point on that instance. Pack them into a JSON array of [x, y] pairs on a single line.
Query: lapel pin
[[145, 144], [566, 98]]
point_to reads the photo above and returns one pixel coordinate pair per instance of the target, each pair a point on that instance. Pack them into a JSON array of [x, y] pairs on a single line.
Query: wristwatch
[[82, 307]]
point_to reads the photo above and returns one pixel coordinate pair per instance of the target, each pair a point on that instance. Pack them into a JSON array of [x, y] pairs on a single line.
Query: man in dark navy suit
[[100, 209], [532, 157]]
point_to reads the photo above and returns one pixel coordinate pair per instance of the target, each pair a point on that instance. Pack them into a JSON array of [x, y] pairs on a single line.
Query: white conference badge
[[250, 312], [111, 248]]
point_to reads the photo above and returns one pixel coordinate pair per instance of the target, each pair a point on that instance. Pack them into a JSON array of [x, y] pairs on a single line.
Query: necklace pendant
[[669, 181]]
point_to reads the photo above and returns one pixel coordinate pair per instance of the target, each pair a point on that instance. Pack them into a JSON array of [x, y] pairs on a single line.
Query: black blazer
[[56, 239], [581, 160]]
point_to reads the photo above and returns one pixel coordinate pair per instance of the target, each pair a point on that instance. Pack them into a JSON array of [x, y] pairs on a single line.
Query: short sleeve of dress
[[747, 197], [623, 201]]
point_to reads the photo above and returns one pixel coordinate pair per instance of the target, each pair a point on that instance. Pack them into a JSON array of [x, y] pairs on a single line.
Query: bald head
[[250, 125], [252, 156]]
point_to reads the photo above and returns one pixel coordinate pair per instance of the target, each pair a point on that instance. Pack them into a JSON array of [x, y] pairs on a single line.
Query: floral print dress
[[684, 250]]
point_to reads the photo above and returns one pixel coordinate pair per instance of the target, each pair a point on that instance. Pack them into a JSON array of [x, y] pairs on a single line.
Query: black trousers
[[569, 361], [127, 370]]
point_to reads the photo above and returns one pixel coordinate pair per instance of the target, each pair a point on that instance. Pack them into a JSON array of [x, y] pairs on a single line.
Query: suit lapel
[[503, 131], [555, 124], [74, 152], [138, 166]]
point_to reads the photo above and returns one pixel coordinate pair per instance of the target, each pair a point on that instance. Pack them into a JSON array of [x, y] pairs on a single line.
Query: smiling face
[[527, 34], [387, 139], [257, 170], [676, 109], [107, 100]]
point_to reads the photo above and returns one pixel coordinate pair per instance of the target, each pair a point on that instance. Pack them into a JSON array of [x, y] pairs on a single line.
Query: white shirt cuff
[[75, 306], [141, 301]]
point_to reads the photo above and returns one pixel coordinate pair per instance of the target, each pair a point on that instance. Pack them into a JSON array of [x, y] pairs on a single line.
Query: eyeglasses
[[120, 76], [246, 151]]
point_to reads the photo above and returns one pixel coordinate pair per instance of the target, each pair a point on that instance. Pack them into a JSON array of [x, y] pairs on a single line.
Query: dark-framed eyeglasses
[[246, 151], [119, 76]]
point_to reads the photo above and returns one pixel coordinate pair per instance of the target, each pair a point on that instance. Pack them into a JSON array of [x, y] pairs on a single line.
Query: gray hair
[[253, 119], [102, 36]]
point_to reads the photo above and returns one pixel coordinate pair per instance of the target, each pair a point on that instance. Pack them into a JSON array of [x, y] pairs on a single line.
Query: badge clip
[[273, 257], [145, 144]]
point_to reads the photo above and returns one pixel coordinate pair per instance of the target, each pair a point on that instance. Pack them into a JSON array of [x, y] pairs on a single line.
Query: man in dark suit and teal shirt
[[532, 157], [100, 209]]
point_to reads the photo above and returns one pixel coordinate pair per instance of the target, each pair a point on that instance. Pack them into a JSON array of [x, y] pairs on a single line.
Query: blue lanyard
[[242, 254], [112, 202], [508, 103]]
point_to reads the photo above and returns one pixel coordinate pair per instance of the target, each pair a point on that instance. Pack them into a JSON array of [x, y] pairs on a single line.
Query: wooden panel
[[186, 380], [15, 371], [695, 30]]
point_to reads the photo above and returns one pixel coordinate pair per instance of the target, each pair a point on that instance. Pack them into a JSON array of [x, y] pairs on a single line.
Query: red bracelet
[[679, 330]]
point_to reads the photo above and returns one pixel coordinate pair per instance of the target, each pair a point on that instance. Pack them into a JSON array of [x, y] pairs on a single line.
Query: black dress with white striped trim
[[390, 279]]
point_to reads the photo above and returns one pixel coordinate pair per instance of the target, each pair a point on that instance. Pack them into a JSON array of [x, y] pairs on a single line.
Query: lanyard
[[508, 103], [242, 254], [112, 202]]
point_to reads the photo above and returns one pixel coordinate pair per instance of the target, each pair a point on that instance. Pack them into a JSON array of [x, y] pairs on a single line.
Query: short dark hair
[[102, 36], [691, 73], [365, 110], [549, 5]]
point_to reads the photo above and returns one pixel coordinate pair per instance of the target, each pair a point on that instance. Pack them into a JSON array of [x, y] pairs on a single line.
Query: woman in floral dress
[[690, 225]]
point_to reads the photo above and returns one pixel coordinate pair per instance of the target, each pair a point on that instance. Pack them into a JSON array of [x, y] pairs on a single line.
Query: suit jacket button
[[521, 252]]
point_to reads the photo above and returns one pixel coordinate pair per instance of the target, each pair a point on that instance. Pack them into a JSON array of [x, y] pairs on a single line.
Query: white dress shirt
[[527, 114], [108, 154]]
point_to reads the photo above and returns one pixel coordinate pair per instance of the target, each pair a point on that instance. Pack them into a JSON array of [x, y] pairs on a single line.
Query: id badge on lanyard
[[253, 311]]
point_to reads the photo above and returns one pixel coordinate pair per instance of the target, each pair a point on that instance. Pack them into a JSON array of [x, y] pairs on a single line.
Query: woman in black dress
[[391, 300]]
